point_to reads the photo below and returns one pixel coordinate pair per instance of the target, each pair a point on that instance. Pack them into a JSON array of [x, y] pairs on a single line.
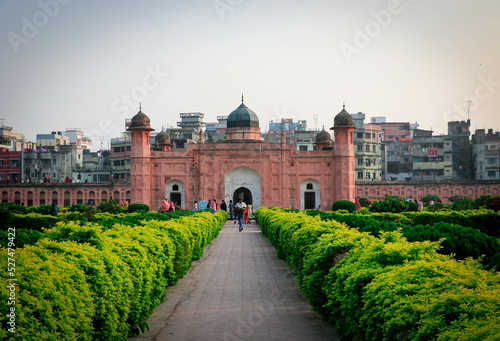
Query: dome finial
[[344, 104], [242, 98], [140, 106]]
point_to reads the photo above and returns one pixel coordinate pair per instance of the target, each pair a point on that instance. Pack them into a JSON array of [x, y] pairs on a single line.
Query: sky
[[88, 64]]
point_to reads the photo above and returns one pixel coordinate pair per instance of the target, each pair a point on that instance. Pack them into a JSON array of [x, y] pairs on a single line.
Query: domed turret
[[140, 121], [242, 117], [343, 119], [243, 124], [162, 138], [323, 137]]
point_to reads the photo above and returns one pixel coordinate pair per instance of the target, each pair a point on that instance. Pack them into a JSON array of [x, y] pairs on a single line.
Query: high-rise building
[[367, 149], [485, 154]]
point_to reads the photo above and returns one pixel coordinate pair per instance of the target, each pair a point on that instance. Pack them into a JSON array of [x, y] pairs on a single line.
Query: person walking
[[240, 210], [231, 210], [195, 206], [223, 205], [213, 206], [53, 210], [165, 206], [251, 216], [245, 215]]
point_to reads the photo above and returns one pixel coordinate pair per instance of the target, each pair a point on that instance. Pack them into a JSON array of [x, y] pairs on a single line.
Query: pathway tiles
[[239, 290]]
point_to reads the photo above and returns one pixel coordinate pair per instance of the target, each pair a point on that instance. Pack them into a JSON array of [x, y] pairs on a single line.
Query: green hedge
[[33, 221], [94, 283], [386, 288]]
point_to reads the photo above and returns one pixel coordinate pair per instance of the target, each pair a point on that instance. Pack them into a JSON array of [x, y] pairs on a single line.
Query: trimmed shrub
[[493, 203], [138, 208], [393, 204], [53, 299], [460, 205], [110, 207], [426, 199], [387, 288], [42, 209], [15, 208], [344, 205], [87, 283], [5, 217], [33, 221], [481, 201], [455, 198], [461, 241], [364, 202], [23, 237]]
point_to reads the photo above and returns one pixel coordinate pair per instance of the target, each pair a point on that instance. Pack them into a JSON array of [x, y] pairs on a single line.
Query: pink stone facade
[[64, 194], [281, 175]]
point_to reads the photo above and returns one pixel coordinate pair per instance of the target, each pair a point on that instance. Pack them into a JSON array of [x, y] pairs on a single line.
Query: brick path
[[239, 290]]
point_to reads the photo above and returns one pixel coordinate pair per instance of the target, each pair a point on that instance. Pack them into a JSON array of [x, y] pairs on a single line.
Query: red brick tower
[[140, 163], [344, 183]]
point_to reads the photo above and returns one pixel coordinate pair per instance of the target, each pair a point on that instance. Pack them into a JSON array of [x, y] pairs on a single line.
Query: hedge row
[[462, 241], [385, 288], [91, 283]]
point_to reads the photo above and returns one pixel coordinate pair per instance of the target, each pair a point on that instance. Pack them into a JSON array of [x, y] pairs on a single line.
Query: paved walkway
[[239, 290]]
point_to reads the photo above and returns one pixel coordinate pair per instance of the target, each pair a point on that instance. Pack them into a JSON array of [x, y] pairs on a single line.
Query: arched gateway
[[243, 182]]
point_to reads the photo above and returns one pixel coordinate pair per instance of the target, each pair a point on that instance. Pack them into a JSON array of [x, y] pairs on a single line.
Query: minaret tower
[[140, 172], [344, 180]]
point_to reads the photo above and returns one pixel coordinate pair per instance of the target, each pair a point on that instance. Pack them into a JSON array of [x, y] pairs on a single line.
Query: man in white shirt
[[240, 210]]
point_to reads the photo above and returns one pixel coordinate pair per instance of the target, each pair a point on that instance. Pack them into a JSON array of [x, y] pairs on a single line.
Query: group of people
[[167, 206], [240, 212]]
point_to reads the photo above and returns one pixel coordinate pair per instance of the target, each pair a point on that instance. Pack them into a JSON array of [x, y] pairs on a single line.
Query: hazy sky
[[87, 64]]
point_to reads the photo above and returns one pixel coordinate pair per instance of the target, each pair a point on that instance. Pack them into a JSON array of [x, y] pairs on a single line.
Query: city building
[[10, 166], [306, 139], [9, 139], [432, 156], [120, 157], [461, 149], [486, 154], [285, 125], [367, 149]]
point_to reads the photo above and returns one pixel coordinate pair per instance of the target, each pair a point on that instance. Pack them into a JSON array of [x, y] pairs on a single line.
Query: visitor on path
[[213, 206], [240, 210], [245, 216], [223, 206], [250, 211], [358, 204], [231, 210], [195, 206], [53, 210], [420, 205], [165, 206], [172, 206]]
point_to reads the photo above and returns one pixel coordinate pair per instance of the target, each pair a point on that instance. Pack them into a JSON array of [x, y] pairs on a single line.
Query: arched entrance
[[241, 180], [175, 191], [309, 194], [243, 193]]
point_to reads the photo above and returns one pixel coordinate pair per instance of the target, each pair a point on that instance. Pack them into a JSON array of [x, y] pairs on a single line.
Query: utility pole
[[469, 102]]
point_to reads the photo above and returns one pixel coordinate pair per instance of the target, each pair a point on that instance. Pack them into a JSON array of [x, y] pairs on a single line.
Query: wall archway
[[175, 191], [243, 177], [310, 194]]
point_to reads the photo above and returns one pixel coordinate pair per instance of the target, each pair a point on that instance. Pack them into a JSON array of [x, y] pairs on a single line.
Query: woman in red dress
[[245, 216]]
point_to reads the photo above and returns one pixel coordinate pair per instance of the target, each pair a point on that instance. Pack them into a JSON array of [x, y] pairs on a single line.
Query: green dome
[[242, 117]]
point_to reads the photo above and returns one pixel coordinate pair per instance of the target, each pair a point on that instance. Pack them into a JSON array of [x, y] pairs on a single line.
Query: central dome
[[242, 117]]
